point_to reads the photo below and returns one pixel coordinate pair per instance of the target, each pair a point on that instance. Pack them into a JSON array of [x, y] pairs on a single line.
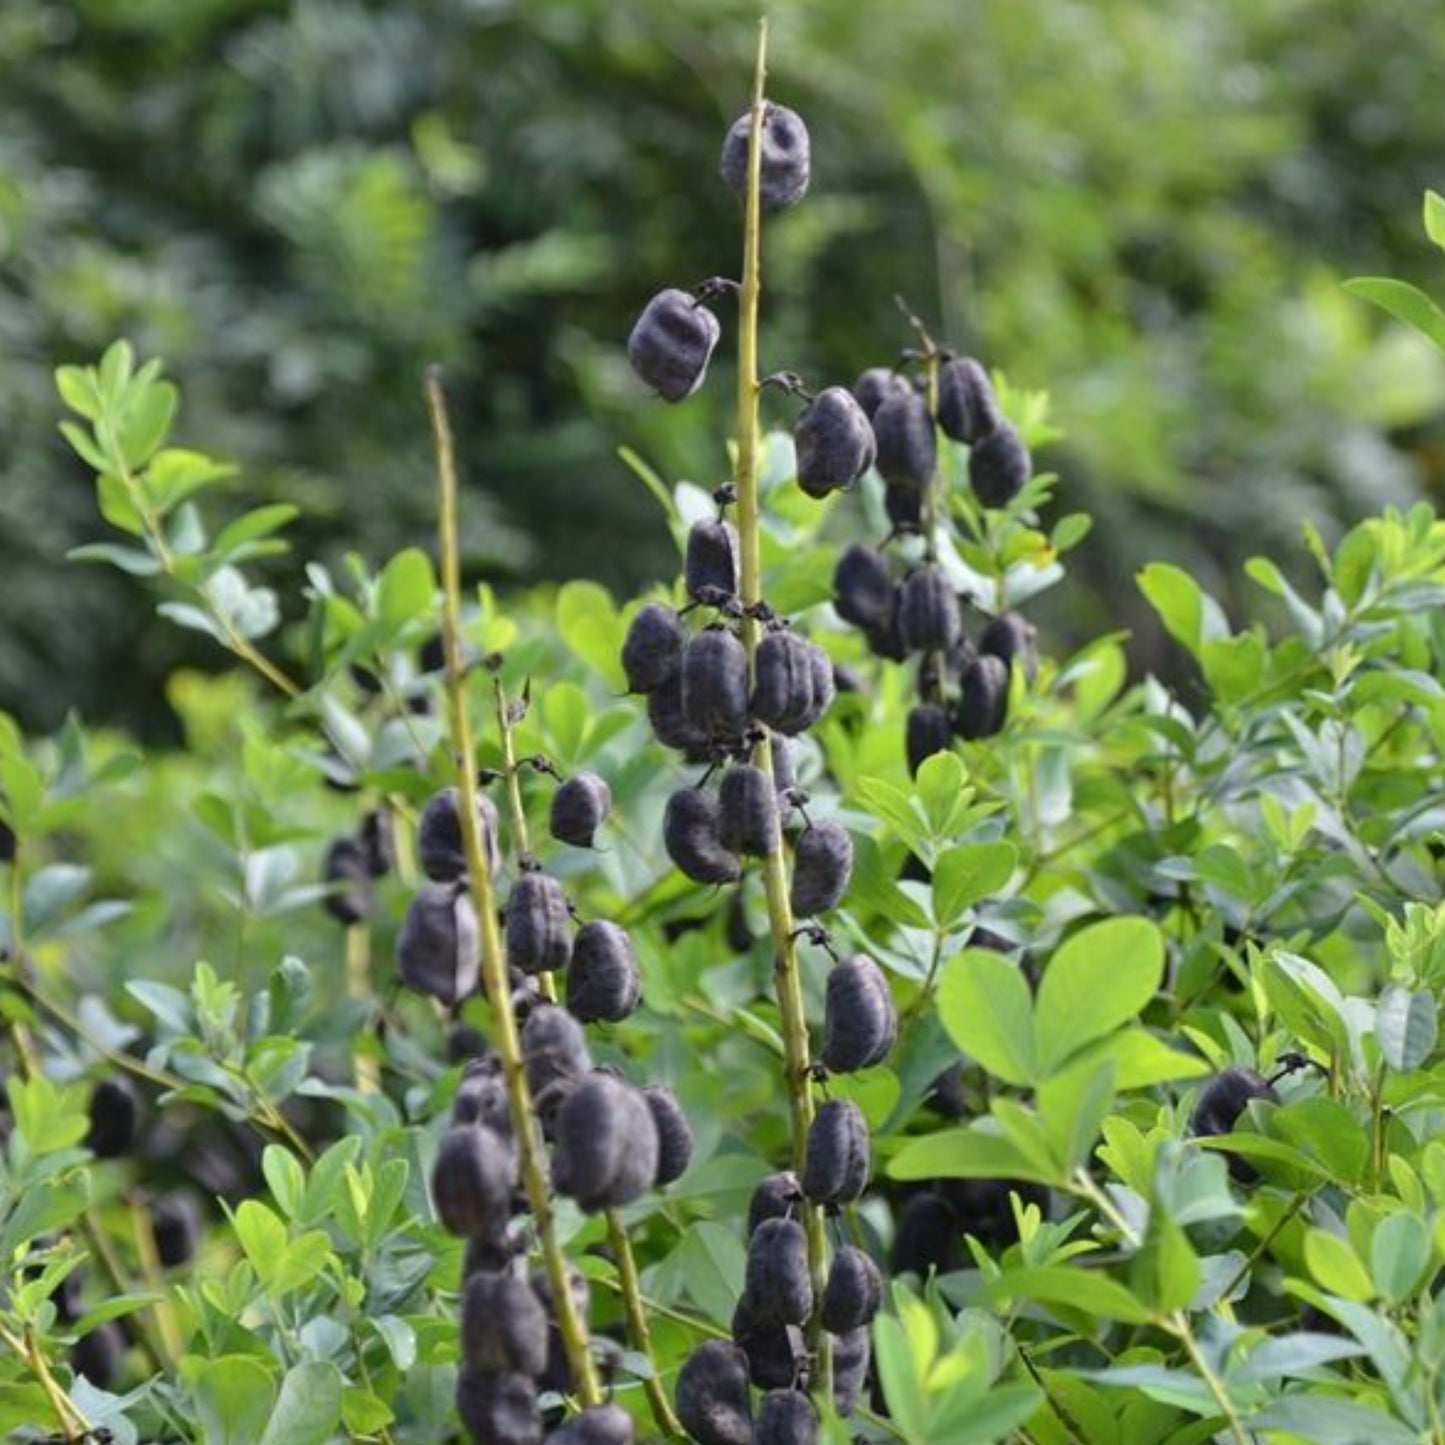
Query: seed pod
[[887, 642], [499, 1409], [715, 684], [604, 983], [99, 1354], [690, 833], [998, 466], [860, 1019], [784, 163], [835, 1168], [984, 1207], [876, 385], [439, 836], [558, 1374], [854, 1292], [851, 1355], [114, 1110], [834, 443], [605, 1154], [928, 613], [777, 1197], [438, 950], [779, 1287], [1010, 638], [748, 811], [929, 731], [504, 1326], [793, 687], [712, 1395], [346, 874], [176, 1225], [776, 1353], [554, 1049], [471, 1182], [928, 1237], [822, 868], [786, 1417], [481, 1097], [672, 343], [539, 924], [674, 1134], [1221, 1103], [907, 445], [596, 1425], [982, 705], [579, 808], [863, 592], [903, 508], [377, 836], [652, 649], [967, 407], [824, 688], [671, 725], [785, 771], [710, 567], [490, 1256]]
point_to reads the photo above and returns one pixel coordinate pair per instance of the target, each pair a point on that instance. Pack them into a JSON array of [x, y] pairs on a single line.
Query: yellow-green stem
[[570, 1324], [74, 1424], [638, 1330], [167, 1325], [358, 986]]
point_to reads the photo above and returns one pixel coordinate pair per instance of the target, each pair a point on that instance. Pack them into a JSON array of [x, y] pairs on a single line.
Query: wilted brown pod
[[838, 1156], [928, 730], [690, 833], [672, 343], [604, 984], [863, 591], [982, 706], [504, 1326], [438, 950], [784, 162], [929, 618], [854, 1292], [605, 1149], [712, 1396], [715, 684], [786, 1417], [748, 811], [834, 443], [967, 407], [860, 1019], [439, 836], [499, 1409], [539, 924], [652, 649], [710, 564], [876, 385], [472, 1181], [1010, 638], [579, 808], [998, 466], [822, 868], [907, 444], [674, 1134], [778, 1285]]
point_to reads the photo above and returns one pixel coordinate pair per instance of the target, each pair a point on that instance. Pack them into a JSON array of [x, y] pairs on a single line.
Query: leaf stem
[[635, 1308]]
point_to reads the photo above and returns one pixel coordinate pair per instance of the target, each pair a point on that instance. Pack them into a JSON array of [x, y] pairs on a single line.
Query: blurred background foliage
[[1145, 206]]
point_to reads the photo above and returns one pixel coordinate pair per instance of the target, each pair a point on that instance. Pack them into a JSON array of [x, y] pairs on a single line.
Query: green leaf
[[963, 1418], [967, 875], [1399, 1255], [147, 421], [983, 1001], [1331, 1420], [1336, 1266], [284, 1176], [1435, 218], [406, 589], [1078, 1289], [1404, 302], [1189, 615], [308, 1409], [231, 1397], [129, 559], [1165, 1272], [257, 523], [940, 788], [902, 1387], [1406, 1026], [978, 1152], [589, 623], [1072, 1106]]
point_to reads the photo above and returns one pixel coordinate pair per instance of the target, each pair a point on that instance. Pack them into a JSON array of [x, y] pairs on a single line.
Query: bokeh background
[[1144, 206]]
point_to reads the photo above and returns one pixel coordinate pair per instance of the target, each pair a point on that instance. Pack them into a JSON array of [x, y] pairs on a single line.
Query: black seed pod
[[605, 1154], [438, 950], [903, 508], [834, 443], [786, 1417], [967, 407], [499, 1409], [672, 343], [652, 649], [779, 1287], [604, 983], [851, 1356], [928, 613], [794, 682], [558, 1374], [674, 1134], [490, 1255], [863, 592], [887, 641], [876, 385], [114, 1110], [579, 808], [504, 1326], [748, 811], [854, 1292], [982, 705], [539, 924], [690, 833], [835, 1170], [779, 1196], [345, 872], [907, 445], [715, 684], [7, 842], [596, 1425], [785, 159], [710, 567], [176, 1225], [1221, 1102], [471, 1182], [712, 1395], [824, 688], [860, 1019], [785, 771], [439, 836], [481, 1097], [672, 726], [929, 731], [998, 466], [377, 836], [928, 1237], [99, 1354], [1010, 638], [776, 1353], [822, 868], [984, 1207], [554, 1049]]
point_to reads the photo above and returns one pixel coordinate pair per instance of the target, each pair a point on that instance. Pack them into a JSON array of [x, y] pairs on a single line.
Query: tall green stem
[[570, 1324], [638, 1330]]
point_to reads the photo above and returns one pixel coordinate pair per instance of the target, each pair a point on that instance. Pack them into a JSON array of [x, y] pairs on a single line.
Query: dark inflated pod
[[114, 1113], [1009, 637], [929, 730], [904, 508], [838, 1157], [1221, 1103], [784, 161], [948, 1096], [558, 1374], [481, 1097], [579, 808], [748, 811], [350, 899], [438, 950], [491, 1255], [776, 1353], [852, 1354], [779, 1196], [854, 1291], [690, 833], [998, 466], [737, 930], [99, 1354], [674, 1134], [712, 1396], [652, 649], [786, 1417], [715, 684], [554, 1050], [672, 343], [637, 1172], [377, 836], [783, 755], [876, 385], [863, 591], [464, 1043], [439, 836], [596, 1425], [985, 1208], [887, 642], [822, 868], [967, 408], [499, 1409], [539, 924], [604, 983], [710, 564], [834, 443], [778, 1284], [907, 444], [824, 688], [176, 1226], [472, 1181], [671, 725], [928, 1238], [504, 1325], [783, 686], [982, 706], [605, 1151], [860, 1019], [928, 613]]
